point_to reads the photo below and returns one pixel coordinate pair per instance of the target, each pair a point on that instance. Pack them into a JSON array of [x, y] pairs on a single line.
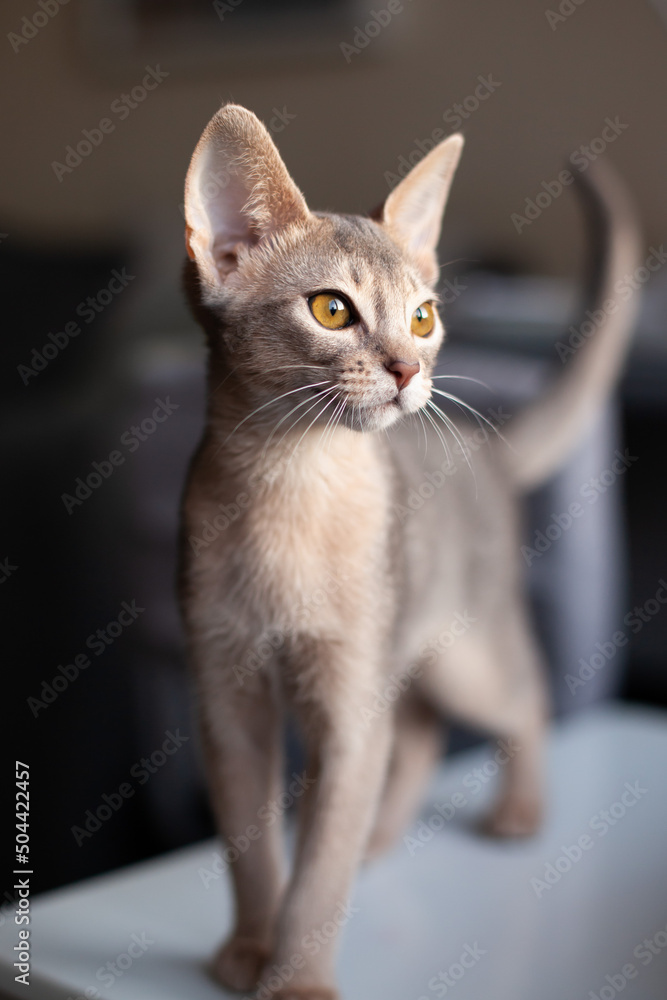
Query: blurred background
[[103, 367]]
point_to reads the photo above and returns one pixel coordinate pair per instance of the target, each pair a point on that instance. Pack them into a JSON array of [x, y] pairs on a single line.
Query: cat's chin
[[381, 417]]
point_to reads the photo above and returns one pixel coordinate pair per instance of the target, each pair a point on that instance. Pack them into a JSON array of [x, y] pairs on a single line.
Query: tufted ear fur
[[237, 192], [413, 211]]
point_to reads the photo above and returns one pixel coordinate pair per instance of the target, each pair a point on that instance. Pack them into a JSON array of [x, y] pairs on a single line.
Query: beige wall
[[609, 58]]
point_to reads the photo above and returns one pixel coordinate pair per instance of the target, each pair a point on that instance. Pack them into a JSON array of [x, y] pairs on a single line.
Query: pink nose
[[404, 371]]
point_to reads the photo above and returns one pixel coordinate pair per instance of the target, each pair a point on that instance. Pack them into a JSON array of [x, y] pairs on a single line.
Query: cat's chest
[[318, 527]]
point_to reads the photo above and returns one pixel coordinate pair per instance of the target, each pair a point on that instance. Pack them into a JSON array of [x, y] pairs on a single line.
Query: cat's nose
[[403, 371]]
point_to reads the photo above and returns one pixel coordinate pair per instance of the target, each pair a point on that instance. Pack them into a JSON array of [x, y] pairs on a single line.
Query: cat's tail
[[542, 436]]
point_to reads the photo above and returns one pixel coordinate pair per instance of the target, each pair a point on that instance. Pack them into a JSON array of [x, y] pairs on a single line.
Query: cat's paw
[[239, 963], [514, 817]]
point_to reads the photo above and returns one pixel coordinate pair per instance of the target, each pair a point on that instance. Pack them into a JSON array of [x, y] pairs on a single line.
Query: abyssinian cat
[[303, 590]]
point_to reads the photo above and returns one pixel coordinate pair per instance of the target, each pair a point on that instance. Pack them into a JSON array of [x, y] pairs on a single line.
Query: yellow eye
[[423, 320], [330, 310]]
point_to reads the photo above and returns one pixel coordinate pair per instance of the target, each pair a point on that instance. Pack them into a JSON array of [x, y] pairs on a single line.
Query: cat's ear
[[237, 191], [413, 211]]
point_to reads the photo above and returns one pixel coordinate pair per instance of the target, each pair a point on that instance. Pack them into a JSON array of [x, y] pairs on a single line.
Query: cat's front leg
[[347, 756], [242, 733]]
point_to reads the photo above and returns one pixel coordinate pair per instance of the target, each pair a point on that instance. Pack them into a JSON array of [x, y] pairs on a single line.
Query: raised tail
[[542, 436]]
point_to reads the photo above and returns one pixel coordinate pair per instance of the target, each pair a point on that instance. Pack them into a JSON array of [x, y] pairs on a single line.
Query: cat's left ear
[[237, 191], [413, 211]]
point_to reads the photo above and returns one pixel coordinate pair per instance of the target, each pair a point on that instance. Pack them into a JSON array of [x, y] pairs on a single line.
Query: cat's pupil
[[334, 306], [421, 313]]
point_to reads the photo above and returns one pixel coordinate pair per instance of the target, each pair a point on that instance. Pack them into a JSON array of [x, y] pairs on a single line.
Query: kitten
[[303, 590]]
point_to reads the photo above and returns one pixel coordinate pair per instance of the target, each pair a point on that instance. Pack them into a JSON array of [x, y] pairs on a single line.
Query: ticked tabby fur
[[313, 591]]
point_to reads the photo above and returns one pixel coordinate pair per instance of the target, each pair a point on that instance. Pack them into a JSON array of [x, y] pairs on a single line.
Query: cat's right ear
[[237, 191]]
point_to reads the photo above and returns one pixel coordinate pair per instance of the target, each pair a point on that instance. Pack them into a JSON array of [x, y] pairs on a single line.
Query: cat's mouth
[[364, 411], [381, 414]]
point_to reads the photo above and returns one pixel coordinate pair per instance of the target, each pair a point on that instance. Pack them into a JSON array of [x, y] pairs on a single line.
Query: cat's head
[[327, 314]]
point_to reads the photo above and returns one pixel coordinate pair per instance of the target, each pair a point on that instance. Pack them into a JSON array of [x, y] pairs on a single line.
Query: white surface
[[416, 914]]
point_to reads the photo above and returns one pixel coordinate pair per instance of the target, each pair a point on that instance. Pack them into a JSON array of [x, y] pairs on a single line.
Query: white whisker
[[439, 434], [466, 406], [423, 427], [454, 432], [271, 401], [330, 425], [464, 378], [340, 410], [283, 419], [449, 423], [320, 396], [220, 384], [316, 417]]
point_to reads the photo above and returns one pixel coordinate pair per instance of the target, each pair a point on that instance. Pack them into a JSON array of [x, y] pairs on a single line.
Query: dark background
[[120, 208]]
